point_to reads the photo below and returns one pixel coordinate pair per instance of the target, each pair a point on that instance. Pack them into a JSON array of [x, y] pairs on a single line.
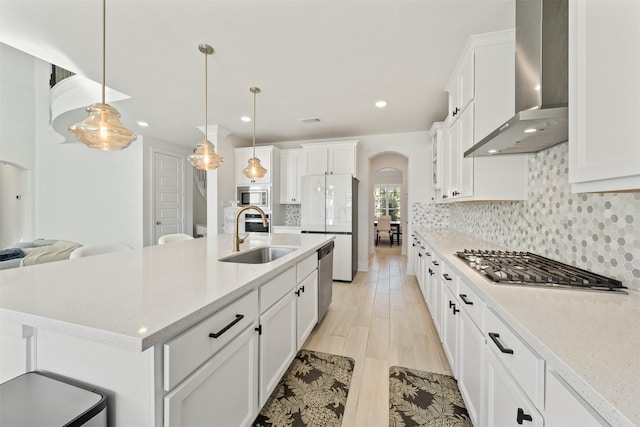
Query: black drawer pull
[[494, 337], [302, 288], [297, 292], [446, 277], [451, 304], [238, 318], [522, 416], [455, 310], [431, 272], [427, 253], [435, 262], [420, 255], [414, 245], [464, 299]]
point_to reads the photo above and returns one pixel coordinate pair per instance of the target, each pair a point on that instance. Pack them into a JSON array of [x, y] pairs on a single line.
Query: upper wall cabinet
[[604, 86], [293, 166], [481, 98], [266, 154], [337, 158]]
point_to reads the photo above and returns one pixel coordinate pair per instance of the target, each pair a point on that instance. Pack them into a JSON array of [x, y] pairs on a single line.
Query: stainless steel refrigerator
[[330, 206]]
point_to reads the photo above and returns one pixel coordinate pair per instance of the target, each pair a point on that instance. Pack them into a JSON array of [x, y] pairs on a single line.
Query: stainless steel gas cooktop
[[527, 269]]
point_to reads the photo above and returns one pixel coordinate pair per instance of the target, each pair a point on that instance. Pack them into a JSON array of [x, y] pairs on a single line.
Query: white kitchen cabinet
[[293, 166], [307, 306], [565, 408], [438, 294], [484, 103], [278, 343], [471, 365], [437, 146], [267, 155], [201, 400], [450, 316], [338, 158], [603, 96], [506, 404], [461, 85]]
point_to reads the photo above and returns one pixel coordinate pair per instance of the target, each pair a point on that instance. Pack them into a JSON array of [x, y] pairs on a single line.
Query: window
[[387, 201]]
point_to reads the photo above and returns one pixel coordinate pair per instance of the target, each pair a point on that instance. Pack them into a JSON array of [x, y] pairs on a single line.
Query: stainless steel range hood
[[541, 118]]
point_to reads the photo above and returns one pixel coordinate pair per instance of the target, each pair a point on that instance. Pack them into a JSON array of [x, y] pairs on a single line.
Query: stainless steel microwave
[[254, 195]]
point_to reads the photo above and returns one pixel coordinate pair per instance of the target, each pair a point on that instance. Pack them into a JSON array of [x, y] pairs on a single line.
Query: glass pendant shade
[[254, 169], [102, 130], [205, 157]]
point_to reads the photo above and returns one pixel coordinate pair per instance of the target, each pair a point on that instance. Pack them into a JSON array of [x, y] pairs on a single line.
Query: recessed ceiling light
[[245, 119], [492, 151], [143, 124], [381, 103], [530, 130]]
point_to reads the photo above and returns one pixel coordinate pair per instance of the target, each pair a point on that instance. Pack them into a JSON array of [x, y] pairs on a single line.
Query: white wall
[[17, 107], [84, 195]]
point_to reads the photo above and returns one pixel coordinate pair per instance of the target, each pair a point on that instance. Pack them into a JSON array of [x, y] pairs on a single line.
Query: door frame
[[152, 190]]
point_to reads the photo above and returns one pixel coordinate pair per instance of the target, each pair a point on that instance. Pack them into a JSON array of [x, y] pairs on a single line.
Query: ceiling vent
[[310, 120]]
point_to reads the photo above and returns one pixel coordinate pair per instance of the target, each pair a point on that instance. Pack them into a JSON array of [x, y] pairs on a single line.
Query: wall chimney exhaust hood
[[541, 118]]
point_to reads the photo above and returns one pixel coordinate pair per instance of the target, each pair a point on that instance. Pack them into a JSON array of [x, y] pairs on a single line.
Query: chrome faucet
[[236, 238]]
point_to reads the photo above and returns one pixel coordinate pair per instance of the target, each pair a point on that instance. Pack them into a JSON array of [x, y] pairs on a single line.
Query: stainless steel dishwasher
[[325, 278]]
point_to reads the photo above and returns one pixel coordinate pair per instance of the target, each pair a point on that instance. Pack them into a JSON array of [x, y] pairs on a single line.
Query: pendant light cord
[[206, 104], [104, 46], [254, 125]]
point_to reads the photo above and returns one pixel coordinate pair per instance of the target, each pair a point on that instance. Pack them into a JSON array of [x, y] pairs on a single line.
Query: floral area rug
[[418, 398], [312, 393]]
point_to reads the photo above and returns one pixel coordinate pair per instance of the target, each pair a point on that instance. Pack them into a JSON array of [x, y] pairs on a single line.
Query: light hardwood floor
[[379, 320]]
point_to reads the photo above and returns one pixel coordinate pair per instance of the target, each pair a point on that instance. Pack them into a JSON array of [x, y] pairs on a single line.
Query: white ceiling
[[329, 59]]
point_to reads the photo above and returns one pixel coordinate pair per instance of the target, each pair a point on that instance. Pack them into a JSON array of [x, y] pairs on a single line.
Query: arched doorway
[[15, 204], [388, 173]]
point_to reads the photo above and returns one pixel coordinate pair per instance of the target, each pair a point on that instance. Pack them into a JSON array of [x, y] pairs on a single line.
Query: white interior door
[[168, 192]]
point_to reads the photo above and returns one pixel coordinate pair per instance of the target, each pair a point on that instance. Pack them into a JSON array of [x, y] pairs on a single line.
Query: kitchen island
[[108, 320], [589, 340]]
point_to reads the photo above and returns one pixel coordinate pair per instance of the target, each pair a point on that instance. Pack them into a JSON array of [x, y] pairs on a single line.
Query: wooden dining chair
[[384, 229]]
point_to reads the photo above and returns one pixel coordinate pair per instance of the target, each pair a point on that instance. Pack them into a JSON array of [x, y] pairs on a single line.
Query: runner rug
[[313, 392], [418, 398]]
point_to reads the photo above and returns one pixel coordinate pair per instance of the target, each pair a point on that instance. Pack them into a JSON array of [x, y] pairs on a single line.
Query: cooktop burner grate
[[526, 268]]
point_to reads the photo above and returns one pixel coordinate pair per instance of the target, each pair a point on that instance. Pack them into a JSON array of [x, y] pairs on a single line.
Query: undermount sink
[[259, 255]]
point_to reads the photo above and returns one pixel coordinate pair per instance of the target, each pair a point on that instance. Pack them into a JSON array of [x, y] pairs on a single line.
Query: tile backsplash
[[597, 232], [292, 215]]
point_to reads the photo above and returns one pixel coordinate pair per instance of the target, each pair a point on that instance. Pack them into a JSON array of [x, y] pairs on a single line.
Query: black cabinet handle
[[451, 304], [414, 245], [435, 262], [431, 272], [302, 288], [427, 253], [238, 318], [455, 310], [522, 416], [464, 299], [494, 337], [444, 196], [446, 277], [420, 255], [297, 292], [455, 193]]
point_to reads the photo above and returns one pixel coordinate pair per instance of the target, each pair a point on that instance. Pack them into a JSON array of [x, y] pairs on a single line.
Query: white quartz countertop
[[143, 297], [592, 339]]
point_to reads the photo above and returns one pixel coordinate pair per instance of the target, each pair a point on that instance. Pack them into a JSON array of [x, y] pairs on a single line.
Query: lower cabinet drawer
[[471, 303], [185, 353], [223, 392], [272, 291], [526, 367]]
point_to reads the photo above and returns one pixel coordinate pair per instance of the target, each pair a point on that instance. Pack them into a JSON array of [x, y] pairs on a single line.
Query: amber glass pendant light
[[102, 129], [254, 169], [205, 156]]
